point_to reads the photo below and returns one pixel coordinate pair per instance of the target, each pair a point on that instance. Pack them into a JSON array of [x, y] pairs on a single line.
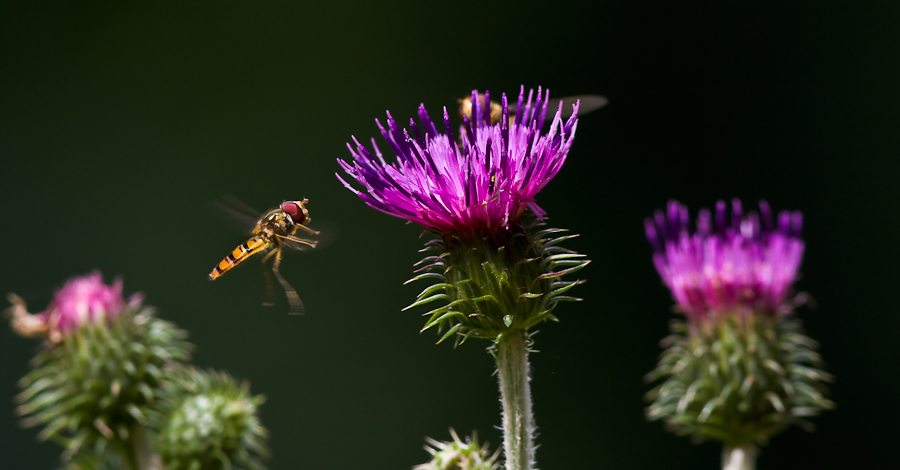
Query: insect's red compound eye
[[294, 210]]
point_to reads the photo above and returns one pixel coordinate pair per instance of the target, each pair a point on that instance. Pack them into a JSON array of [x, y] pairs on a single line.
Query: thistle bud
[[207, 421], [459, 455]]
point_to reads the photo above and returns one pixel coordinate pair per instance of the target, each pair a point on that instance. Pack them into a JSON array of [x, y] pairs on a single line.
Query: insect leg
[[269, 299], [293, 298], [302, 241], [304, 227]]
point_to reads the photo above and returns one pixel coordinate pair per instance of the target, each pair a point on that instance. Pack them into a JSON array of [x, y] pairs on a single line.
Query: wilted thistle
[[738, 368], [498, 270], [103, 361]]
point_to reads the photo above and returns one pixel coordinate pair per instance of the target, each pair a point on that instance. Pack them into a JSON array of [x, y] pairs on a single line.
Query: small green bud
[[459, 455], [207, 421]]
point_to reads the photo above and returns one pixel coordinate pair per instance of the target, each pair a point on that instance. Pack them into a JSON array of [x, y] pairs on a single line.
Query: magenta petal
[[484, 182], [743, 263], [86, 299]]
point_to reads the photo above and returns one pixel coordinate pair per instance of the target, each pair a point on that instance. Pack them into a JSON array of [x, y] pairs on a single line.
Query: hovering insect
[[273, 231], [588, 103]]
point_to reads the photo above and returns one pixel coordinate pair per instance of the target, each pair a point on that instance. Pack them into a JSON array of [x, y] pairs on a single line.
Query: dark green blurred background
[[119, 124]]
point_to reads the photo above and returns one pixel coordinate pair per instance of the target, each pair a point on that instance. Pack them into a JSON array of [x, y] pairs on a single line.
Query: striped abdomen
[[242, 252]]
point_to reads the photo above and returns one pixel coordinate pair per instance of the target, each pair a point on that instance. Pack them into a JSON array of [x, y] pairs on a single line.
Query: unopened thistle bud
[[103, 362], [738, 368], [207, 421], [459, 455]]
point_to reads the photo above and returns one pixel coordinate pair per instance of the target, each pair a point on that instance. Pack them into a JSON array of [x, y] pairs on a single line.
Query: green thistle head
[[207, 421], [459, 455], [104, 362], [497, 282], [739, 379]]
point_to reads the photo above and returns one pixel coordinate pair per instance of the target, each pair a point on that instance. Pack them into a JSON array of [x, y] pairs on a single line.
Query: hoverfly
[[588, 103], [273, 232]]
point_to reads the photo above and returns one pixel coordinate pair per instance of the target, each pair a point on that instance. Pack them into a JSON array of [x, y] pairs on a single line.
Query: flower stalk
[[739, 458], [511, 353], [145, 458]]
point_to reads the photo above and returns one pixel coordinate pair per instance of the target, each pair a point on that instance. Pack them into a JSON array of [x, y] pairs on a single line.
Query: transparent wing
[[588, 103], [242, 215]]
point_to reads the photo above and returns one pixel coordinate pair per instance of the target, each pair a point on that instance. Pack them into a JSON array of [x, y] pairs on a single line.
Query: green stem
[[739, 458], [518, 421], [144, 457]]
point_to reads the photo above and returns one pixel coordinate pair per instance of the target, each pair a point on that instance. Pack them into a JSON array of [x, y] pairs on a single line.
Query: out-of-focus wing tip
[[588, 104], [243, 216]]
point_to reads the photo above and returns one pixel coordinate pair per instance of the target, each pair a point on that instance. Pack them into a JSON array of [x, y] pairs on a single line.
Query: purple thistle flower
[[81, 300], [85, 299], [485, 182], [498, 271], [103, 363], [722, 265]]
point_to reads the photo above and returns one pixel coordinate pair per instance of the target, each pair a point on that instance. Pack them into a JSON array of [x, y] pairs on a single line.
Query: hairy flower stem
[[518, 421], [739, 458], [143, 455]]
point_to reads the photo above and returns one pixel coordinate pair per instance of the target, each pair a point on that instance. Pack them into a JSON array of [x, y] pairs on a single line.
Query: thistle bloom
[[499, 274], [477, 196], [485, 182], [85, 299], [105, 361], [740, 368], [81, 300], [745, 262]]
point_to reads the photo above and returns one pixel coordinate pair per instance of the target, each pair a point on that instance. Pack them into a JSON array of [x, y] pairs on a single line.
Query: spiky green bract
[[496, 283], [738, 378], [91, 389], [459, 455], [207, 421]]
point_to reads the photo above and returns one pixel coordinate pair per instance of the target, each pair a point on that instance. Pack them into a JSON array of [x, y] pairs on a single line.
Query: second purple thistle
[[727, 262]]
